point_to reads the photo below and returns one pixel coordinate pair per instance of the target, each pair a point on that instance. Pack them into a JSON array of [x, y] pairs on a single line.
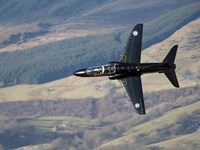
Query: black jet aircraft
[[128, 69]]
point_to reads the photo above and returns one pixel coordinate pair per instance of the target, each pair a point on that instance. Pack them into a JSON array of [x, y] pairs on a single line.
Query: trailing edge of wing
[[133, 87]]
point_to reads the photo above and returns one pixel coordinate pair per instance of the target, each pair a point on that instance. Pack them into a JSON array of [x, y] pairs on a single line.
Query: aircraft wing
[[132, 50], [133, 87]]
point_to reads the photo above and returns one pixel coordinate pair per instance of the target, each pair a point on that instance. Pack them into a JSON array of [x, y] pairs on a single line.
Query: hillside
[[94, 113], [56, 60], [188, 58], [152, 131], [52, 21], [188, 74], [103, 123], [87, 12]]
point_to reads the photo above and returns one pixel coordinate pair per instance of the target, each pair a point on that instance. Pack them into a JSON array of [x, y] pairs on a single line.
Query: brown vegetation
[[111, 117]]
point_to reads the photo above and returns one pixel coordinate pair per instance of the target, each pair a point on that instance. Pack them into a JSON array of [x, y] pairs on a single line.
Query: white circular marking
[[137, 105], [135, 33]]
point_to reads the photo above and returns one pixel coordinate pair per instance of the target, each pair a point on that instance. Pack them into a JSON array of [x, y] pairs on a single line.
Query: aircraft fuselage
[[128, 69], [120, 70]]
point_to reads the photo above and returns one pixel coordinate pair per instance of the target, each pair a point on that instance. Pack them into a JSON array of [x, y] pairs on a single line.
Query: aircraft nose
[[80, 73]]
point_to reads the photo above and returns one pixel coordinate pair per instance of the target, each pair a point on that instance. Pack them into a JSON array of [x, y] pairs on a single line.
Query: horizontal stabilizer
[[171, 75]]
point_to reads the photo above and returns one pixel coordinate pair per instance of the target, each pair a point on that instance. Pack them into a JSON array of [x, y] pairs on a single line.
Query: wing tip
[[140, 108], [141, 112], [139, 25]]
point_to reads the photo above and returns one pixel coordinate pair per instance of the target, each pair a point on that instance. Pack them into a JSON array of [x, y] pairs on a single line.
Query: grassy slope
[[69, 87], [38, 68], [57, 33], [99, 87], [188, 51], [47, 123], [159, 123], [69, 124], [187, 59], [76, 21], [60, 11], [184, 142]]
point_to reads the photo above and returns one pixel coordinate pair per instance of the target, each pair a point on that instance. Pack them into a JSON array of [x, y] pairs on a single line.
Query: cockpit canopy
[[108, 69]]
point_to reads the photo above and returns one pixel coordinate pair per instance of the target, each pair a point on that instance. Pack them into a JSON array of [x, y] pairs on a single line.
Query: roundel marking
[[137, 105], [135, 33]]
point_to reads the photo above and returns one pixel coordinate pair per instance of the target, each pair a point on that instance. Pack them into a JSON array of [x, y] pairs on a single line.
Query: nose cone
[[80, 73]]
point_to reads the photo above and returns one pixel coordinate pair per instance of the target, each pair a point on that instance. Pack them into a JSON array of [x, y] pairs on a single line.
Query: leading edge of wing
[[133, 87], [132, 50]]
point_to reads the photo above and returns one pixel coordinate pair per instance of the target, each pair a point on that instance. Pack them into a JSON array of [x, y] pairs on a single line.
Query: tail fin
[[171, 55], [170, 73]]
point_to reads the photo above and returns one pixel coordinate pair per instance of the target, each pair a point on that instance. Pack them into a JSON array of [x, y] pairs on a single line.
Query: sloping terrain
[[52, 61], [91, 10], [188, 55], [152, 128], [187, 61], [104, 123], [185, 142], [49, 21], [94, 113]]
